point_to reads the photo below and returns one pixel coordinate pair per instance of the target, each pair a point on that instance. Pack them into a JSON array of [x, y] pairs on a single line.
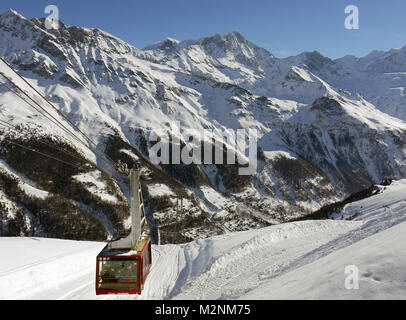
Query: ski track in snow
[[39, 262], [249, 263]]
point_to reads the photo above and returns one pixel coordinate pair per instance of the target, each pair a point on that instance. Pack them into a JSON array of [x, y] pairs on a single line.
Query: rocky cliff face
[[318, 140]]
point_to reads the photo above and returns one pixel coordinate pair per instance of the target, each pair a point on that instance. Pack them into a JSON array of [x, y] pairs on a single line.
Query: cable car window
[[118, 274]]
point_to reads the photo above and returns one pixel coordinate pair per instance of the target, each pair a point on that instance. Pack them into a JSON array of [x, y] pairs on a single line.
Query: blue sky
[[284, 27]]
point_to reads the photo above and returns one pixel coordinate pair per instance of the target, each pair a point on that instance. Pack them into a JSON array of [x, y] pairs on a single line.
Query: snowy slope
[[380, 260], [300, 260], [42, 268]]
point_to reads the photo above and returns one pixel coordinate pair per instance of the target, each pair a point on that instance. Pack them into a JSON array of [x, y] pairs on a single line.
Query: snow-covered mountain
[[379, 77], [319, 139]]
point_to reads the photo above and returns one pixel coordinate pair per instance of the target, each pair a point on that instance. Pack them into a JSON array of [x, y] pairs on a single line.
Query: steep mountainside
[[316, 142], [380, 76]]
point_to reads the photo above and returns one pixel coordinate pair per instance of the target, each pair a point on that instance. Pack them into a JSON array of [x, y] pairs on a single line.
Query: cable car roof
[[132, 252]]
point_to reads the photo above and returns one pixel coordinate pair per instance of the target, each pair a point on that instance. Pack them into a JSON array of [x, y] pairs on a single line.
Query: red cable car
[[123, 265], [119, 271]]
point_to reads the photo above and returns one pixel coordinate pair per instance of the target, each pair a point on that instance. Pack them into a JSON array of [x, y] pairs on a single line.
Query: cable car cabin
[[123, 271], [123, 265]]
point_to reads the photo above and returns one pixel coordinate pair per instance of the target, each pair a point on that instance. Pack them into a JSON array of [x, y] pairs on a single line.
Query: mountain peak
[[313, 60], [314, 55], [233, 43], [11, 14], [232, 39], [164, 45], [235, 35], [11, 20]]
